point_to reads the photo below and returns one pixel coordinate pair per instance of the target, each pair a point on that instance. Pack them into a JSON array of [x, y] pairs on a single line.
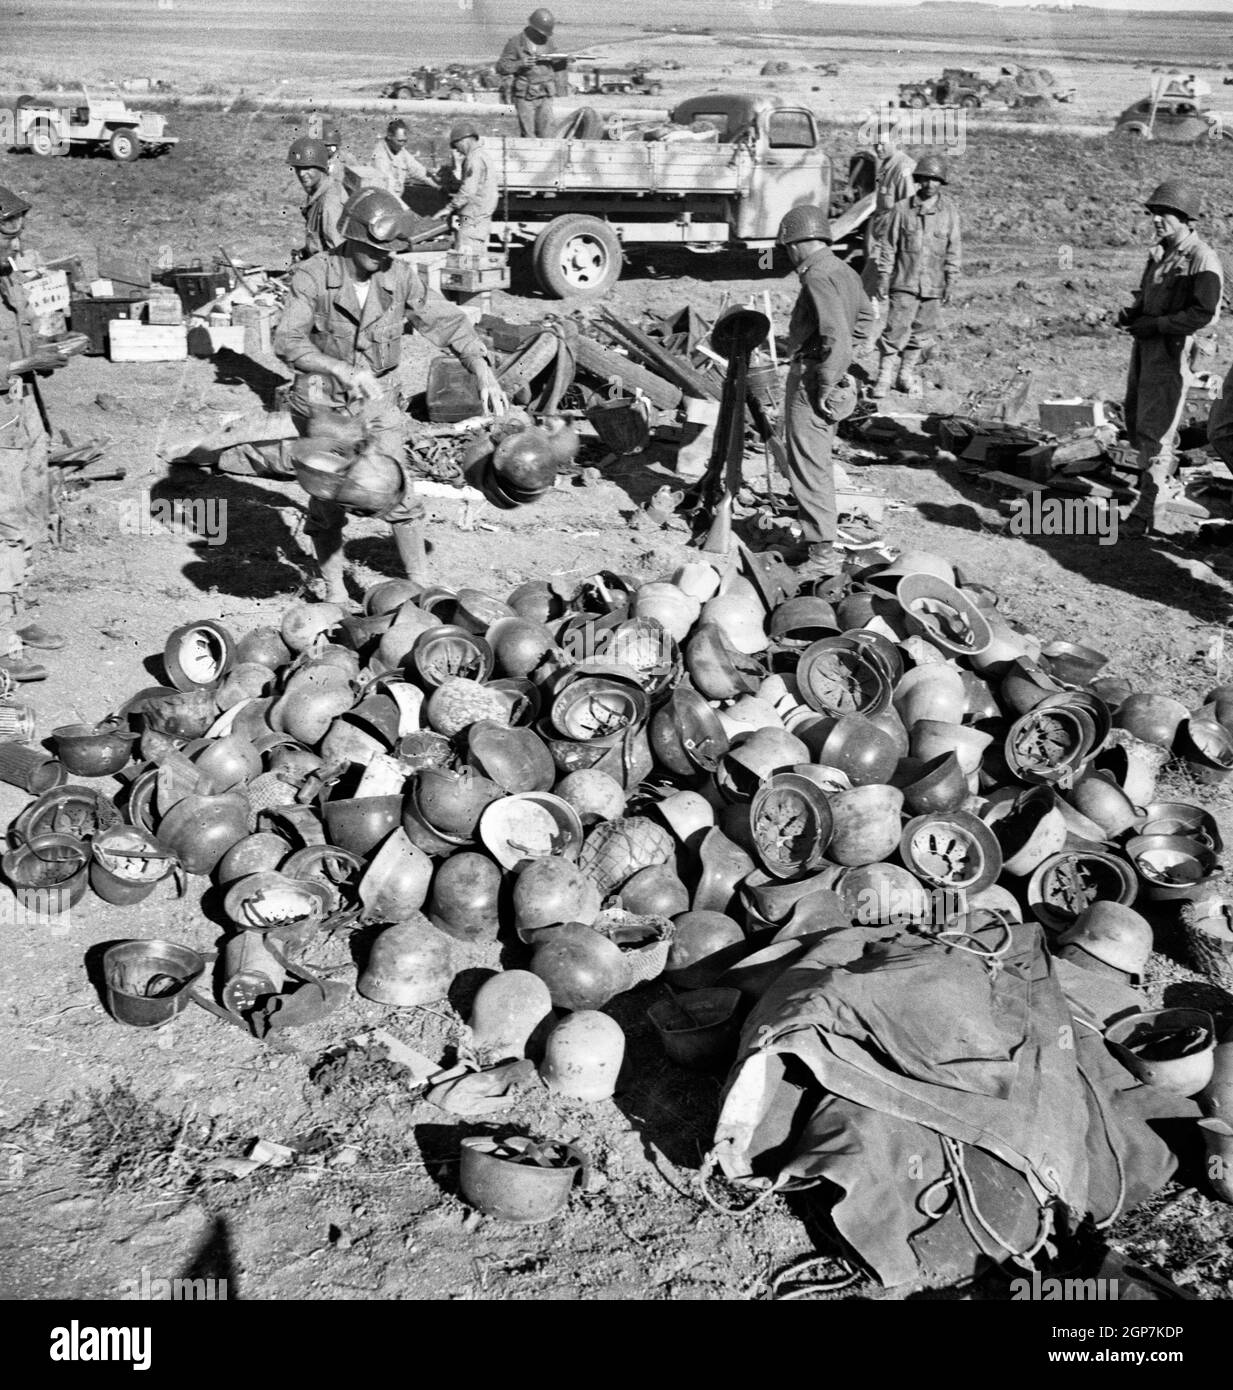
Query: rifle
[[735, 335]]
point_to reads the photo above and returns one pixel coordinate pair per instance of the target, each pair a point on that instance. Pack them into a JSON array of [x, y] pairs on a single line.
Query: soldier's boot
[[329, 551], [886, 376], [409, 539], [908, 381]]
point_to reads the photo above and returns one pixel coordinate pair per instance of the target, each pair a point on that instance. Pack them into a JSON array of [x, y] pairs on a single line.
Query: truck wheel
[[404, 94], [125, 145], [44, 141], [917, 102], [970, 102], [577, 256]]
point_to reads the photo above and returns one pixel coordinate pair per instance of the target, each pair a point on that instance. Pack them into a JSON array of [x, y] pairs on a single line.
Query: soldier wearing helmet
[[831, 317], [310, 161], [395, 165], [476, 199], [25, 497], [1178, 302], [537, 69], [918, 258], [341, 333]]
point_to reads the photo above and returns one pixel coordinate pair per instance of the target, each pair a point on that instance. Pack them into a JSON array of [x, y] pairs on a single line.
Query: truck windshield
[[791, 130]]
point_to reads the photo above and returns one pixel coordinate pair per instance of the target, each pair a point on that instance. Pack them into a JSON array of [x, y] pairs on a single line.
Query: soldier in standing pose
[[1178, 300], [476, 199], [25, 494], [531, 59], [919, 255], [832, 316]]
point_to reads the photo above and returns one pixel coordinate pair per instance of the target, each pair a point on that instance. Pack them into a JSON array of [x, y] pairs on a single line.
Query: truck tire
[[577, 255], [404, 94], [610, 366], [124, 145], [969, 102], [917, 102]]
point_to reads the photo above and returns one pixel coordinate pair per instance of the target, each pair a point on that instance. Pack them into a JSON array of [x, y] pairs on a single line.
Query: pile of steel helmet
[[689, 777]]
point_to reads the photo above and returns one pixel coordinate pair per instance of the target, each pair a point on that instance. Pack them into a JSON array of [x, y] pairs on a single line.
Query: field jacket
[[477, 188], [919, 249], [323, 317], [1180, 290], [321, 213], [396, 169], [542, 80], [20, 420], [831, 315]]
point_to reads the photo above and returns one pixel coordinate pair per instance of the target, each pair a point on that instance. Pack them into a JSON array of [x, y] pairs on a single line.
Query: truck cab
[[787, 163]]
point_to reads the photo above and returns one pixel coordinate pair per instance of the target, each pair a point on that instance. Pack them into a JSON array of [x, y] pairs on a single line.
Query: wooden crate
[[257, 320], [147, 342], [475, 281], [165, 310], [47, 293]]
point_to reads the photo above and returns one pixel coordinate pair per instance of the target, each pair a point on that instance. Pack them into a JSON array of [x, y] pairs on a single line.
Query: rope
[[990, 956], [1117, 1158], [760, 1200], [963, 1185], [847, 1276]]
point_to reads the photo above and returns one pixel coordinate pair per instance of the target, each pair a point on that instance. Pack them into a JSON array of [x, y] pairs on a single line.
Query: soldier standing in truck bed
[[537, 68]]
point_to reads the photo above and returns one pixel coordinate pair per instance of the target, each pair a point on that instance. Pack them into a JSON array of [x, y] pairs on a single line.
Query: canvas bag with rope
[[939, 1088]]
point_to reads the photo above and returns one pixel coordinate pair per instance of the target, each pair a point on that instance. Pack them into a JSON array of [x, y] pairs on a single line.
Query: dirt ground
[[107, 1133]]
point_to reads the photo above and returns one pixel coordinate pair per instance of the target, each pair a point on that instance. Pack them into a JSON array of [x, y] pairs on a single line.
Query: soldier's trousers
[[1156, 396], [911, 323], [810, 438], [25, 502], [472, 235], [535, 118]]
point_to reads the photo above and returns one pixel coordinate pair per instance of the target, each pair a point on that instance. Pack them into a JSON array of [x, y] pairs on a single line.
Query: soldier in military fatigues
[[476, 199], [25, 496], [1178, 300], [536, 71], [341, 333]]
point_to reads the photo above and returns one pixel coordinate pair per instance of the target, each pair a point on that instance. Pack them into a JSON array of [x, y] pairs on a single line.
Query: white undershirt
[[361, 291]]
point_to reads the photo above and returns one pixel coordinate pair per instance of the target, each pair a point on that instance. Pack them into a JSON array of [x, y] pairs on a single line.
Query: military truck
[[720, 175], [632, 78], [454, 82], [956, 87]]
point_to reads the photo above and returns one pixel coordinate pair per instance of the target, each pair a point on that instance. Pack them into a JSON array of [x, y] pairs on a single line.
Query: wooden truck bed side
[[620, 166]]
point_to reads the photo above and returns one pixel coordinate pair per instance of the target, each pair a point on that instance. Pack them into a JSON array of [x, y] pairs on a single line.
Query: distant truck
[[632, 78], [956, 87], [454, 82], [722, 174], [48, 128]]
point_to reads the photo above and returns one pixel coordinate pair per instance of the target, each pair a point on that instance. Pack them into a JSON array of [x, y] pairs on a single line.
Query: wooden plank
[[640, 166]]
